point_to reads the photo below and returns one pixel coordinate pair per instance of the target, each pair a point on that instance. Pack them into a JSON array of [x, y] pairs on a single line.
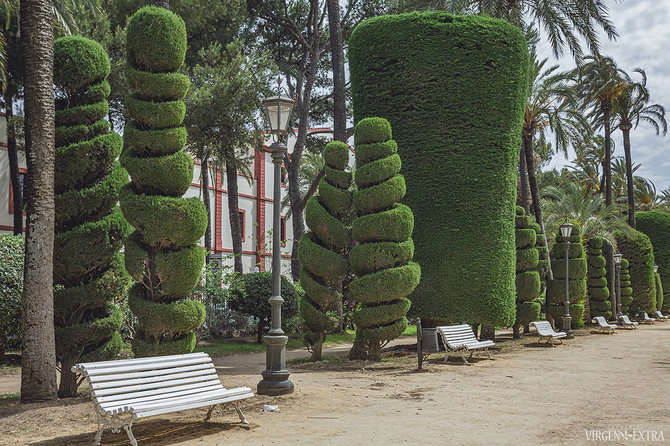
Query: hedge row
[[322, 251], [636, 247], [417, 71], [162, 255], [656, 225], [382, 258], [598, 291]]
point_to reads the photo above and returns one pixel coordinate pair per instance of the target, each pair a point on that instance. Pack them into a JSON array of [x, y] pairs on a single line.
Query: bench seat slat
[[154, 385], [186, 387], [149, 373], [150, 413], [154, 360], [152, 379], [130, 399]]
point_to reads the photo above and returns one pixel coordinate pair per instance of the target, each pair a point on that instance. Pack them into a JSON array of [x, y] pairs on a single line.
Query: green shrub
[[417, 71], [383, 262], [626, 289], [11, 290], [527, 277], [576, 313], [322, 252], [636, 247], [598, 291], [656, 225], [163, 253], [89, 225]]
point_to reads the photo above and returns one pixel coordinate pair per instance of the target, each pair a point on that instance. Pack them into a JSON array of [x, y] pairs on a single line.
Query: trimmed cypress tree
[[636, 247], [322, 250], [88, 268], [527, 276], [626, 288], [162, 254], [598, 291], [454, 89], [577, 270], [656, 225], [543, 263], [382, 259]]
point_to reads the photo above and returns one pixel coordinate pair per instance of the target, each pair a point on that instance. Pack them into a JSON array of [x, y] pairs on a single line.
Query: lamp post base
[[567, 327], [275, 377]]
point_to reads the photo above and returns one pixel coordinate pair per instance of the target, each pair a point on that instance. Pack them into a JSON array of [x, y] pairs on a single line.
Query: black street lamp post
[[566, 230]]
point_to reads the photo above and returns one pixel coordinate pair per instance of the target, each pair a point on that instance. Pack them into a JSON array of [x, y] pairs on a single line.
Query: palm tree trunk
[[38, 360], [535, 194], [525, 194], [337, 54], [12, 154], [607, 162], [204, 174], [630, 186], [234, 214]]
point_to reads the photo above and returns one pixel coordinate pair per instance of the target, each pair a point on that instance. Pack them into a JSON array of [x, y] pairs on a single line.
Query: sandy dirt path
[[527, 395]]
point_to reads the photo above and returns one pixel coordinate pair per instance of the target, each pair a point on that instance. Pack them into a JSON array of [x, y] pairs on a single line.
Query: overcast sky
[[644, 42]]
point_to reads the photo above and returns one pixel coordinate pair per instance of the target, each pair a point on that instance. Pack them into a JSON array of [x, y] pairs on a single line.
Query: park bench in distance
[[645, 319], [603, 326], [627, 323], [461, 339], [126, 390], [659, 316], [546, 332]]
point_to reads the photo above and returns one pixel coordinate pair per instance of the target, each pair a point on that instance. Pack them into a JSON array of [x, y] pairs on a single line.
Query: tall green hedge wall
[[636, 247], [322, 250], [626, 288], [656, 225], [598, 291], [577, 271], [163, 254], [454, 90], [382, 259], [527, 276], [89, 225]]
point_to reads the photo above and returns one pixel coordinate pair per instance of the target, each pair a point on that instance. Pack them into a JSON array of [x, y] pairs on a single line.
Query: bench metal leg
[[98, 436], [488, 353], [209, 413], [243, 420], [129, 431]]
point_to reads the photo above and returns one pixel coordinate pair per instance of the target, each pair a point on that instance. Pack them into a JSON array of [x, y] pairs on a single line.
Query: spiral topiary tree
[[656, 226], [459, 145], [382, 260], [90, 228], [543, 263], [598, 291], [636, 247], [162, 254], [322, 250], [626, 286], [577, 270], [527, 276]]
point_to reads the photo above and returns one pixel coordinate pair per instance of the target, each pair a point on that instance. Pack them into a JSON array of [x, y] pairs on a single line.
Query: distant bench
[[461, 339], [546, 332], [137, 388]]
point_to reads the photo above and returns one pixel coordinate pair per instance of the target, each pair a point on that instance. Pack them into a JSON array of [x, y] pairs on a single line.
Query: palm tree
[[551, 105], [38, 360], [565, 22], [630, 108], [600, 83]]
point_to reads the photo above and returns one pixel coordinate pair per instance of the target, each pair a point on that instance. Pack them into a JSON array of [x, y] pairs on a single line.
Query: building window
[[22, 181], [242, 217], [282, 234]]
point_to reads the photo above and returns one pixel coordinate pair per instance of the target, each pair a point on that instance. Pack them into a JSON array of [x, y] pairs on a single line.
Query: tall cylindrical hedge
[[577, 287], [598, 291], [527, 276], [636, 247], [454, 90], [656, 226], [322, 250], [382, 258], [626, 288], [88, 269], [162, 254]]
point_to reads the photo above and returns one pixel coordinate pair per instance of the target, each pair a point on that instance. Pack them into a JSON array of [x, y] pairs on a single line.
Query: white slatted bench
[[546, 332], [645, 319], [627, 323], [604, 326], [659, 316], [126, 390], [461, 339]]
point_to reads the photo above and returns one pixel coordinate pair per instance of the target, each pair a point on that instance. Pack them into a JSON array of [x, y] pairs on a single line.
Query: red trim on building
[[259, 173], [218, 208], [3, 144], [243, 218], [11, 192]]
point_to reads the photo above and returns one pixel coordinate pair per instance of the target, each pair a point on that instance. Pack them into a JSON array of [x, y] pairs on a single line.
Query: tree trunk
[[162, 3], [607, 163], [608, 253], [358, 350], [204, 174], [12, 154], [68, 380], [337, 54], [523, 180], [38, 361], [516, 330], [234, 214], [317, 349], [535, 194], [488, 332], [374, 351], [259, 332], [630, 186]]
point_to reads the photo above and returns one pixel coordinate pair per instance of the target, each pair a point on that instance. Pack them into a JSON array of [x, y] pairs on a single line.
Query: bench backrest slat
[[152, 379], [131, 400], [601, 321], [142, 366], [150, 386], [98, 379], [456, 336], [159, 391], [544, 328], [624, 318]]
